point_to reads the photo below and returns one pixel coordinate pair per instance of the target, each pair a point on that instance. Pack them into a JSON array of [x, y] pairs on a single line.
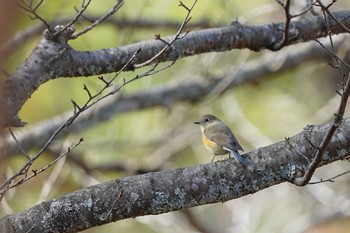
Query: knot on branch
[[59, 33]]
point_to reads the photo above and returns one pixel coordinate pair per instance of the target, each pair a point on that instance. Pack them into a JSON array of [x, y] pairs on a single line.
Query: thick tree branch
[[165, 191], [22, 36], [52, 59], [252, 72]]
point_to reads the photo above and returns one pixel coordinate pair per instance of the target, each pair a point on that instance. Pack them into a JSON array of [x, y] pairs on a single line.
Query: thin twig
[[329, 13], [286, 35], [33, 10], [333, 54], [4, 189], [289, 17], [330, 179], [18, 144], [75, 19], [114, 9], [176, 37]]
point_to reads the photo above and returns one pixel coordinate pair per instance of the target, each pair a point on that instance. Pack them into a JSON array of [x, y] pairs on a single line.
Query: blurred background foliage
[[166, 138]]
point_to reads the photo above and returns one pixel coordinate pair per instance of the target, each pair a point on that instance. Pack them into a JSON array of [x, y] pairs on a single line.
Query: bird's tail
[[238, 157]]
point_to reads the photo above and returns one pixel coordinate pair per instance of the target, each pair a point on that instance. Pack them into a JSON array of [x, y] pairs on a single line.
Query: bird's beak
[[197, 122]]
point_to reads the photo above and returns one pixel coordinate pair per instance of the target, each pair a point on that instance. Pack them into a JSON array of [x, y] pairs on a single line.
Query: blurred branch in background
[[252, 72]]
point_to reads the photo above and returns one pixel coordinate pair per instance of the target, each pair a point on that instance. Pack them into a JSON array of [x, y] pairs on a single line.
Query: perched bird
[[218, 138]]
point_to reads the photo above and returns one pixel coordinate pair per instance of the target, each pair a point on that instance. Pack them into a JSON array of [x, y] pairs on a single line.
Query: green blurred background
[[259, 113]]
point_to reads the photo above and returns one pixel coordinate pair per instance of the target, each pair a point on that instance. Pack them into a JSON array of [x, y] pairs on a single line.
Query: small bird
[[219, 139]]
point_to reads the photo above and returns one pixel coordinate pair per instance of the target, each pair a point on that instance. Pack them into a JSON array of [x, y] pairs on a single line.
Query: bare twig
[[289, 17], [329, 13], [18, 144], [92, 100], [75, 19], [8, 183], [286, 31], [332, 179], [33, 10], [334, 55], [114, 9], [177, 36]]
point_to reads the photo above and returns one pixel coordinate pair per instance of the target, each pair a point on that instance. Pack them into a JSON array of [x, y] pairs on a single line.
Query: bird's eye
[[206, 120]]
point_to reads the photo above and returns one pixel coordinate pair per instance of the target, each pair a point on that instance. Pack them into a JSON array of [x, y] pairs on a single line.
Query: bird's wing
[[235, 143], [227, 140], [219, 138]]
